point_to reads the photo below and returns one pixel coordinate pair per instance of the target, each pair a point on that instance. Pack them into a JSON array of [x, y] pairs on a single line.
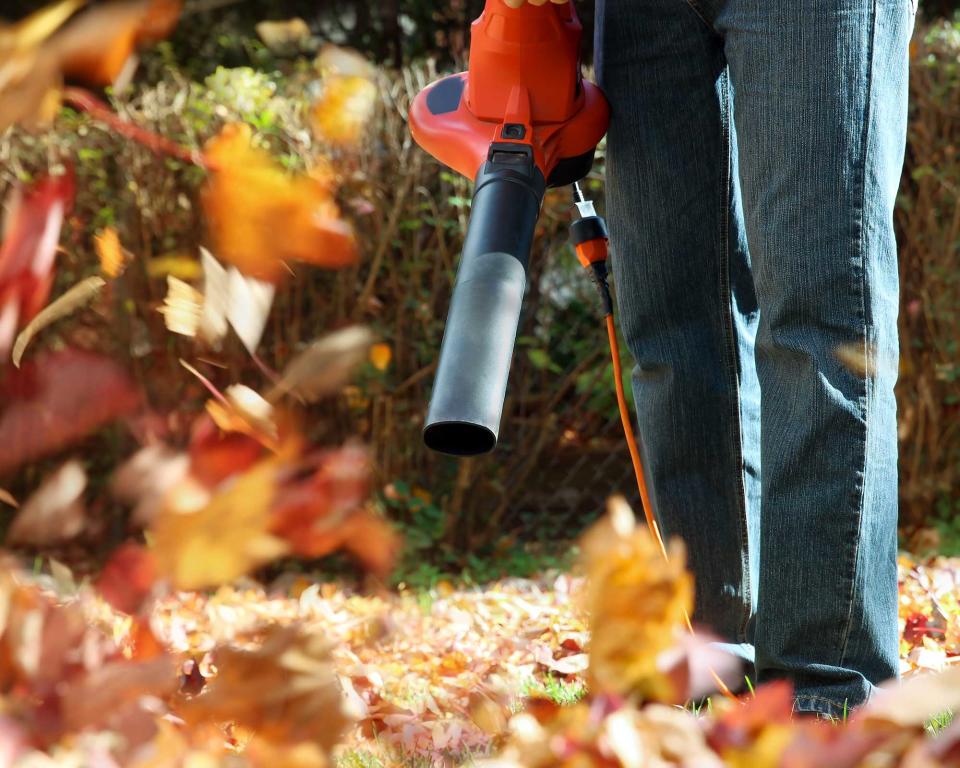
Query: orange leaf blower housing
[[524, 89], [521, 119]]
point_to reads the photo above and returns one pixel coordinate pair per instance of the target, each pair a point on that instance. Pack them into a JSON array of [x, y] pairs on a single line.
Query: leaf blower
[[520, 120]]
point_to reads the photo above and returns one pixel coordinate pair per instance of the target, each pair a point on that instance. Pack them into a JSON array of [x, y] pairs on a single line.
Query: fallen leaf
[[56, 399], [325, 366], [226, 539], [249, 198], [77, 296], [55, 512]]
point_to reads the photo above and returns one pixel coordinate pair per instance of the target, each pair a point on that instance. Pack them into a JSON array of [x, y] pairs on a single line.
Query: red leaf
[[56, 399], [772, 704], [30, 241], [128, 578], [216, 455]]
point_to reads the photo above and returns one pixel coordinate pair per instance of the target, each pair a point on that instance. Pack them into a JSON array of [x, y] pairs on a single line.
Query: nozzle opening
[[459, 438]]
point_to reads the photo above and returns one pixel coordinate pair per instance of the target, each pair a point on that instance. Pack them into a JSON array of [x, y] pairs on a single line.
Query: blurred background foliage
[[562, 449]]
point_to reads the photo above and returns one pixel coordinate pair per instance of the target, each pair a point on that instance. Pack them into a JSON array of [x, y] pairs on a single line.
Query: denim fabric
[[753, 163]]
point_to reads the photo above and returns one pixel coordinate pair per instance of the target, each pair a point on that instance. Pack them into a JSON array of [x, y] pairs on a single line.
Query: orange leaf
[[249, 199]]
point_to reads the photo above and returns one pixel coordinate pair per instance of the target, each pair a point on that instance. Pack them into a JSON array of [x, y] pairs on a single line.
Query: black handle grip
[[471, 384]]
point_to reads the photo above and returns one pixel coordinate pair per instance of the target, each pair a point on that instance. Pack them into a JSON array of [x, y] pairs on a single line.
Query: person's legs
[[820, 91], [686, 298]]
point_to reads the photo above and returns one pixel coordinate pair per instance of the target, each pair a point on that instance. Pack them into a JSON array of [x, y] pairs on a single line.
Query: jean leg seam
[[730, 351], [697, 9], [861, 500]]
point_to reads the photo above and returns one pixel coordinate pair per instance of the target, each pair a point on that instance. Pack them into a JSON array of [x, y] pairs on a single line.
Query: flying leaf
[[95, 47], [637, 602], [285, 38], [73, 299], [324, 512], [182, 307], [348, 96], [249, 199], [55, 512], [34, 220], [344, 109], [113, 259], [287, 690], [380, 356], [127, 578], [248, 308], [226, 539], [325, 366], [7, 498], [179, 265], [144, 479], [916, 701], [57, 398]]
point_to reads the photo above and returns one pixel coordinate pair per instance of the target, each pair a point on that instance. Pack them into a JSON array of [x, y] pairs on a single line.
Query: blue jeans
[[753, 163]]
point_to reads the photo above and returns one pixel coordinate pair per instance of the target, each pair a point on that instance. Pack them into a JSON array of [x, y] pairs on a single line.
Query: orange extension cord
[[641, 475]]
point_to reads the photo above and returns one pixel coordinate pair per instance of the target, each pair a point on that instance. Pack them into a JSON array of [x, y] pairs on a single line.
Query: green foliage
[[929, 390]]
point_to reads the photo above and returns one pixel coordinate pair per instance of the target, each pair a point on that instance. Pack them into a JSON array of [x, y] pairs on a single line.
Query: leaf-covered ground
[[433, 676]]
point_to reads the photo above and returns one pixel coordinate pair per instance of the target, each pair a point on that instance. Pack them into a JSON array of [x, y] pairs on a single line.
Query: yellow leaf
[[226, 539], [178, 265], [636, 602], [765, 752], [259, 216], [38, 26], [72, 300], [380, 356], [113, 259], [182, 307]]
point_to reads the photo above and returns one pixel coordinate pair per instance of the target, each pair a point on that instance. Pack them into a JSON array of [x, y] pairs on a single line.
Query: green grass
[[566, 693], [940, 723]]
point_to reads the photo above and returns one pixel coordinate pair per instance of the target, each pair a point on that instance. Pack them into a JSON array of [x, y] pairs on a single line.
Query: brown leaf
[[55, 512], [325, 366], [75, 297], [287, 691]]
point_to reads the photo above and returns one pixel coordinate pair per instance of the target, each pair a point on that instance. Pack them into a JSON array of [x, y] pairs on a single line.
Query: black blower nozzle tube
[[471, 383]]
